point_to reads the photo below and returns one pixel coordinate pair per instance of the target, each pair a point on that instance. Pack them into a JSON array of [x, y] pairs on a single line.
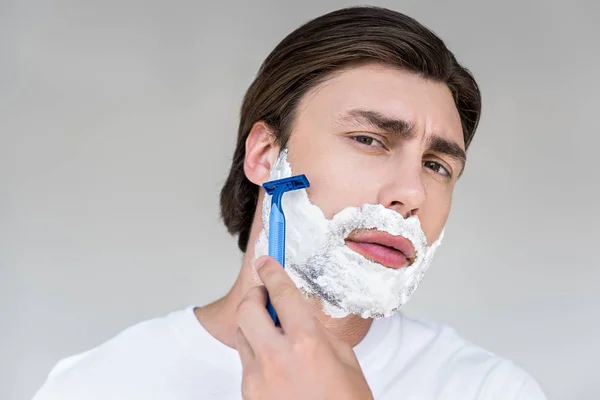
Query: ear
[[261, 152]]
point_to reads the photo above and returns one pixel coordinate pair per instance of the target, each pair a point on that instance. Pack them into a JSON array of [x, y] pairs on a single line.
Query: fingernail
[[260, 262]]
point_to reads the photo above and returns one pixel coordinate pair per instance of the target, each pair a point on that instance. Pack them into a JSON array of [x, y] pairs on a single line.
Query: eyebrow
[[405, 130], [441, 145], [381, 122]]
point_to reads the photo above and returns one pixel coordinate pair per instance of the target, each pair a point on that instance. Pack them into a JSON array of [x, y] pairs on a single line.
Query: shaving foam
[[319, 262]]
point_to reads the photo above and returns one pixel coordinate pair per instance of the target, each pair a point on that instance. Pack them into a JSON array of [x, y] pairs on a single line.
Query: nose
[[403, 190]]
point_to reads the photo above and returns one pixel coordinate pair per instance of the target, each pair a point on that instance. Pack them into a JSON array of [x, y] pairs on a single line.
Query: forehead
[[395, 93]]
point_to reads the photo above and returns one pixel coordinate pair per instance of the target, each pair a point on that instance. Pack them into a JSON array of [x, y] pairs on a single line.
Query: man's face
[[377, 135], [382, 150]]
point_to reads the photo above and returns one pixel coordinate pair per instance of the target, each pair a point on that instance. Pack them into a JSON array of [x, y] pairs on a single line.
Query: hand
[[300, 360]]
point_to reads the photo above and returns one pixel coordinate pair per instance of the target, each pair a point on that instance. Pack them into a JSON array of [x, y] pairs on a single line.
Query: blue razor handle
[[277, 222], [276, 247]]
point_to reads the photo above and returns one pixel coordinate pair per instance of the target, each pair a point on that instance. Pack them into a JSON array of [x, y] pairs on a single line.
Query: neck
[[219, 317]]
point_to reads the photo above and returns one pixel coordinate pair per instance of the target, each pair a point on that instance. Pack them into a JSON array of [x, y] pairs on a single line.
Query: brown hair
[[308, 56]]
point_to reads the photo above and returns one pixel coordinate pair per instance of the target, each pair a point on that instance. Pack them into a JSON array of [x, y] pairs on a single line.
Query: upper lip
[[399, 243]]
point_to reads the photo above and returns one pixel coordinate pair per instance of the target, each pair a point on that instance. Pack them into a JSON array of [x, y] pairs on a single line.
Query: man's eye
[[436, 167], [368, 141]]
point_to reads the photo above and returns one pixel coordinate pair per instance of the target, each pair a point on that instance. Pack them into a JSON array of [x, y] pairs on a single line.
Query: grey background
[[117, 124]]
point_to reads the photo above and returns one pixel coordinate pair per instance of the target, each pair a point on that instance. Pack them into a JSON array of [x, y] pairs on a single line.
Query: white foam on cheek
[[319, 262], [306, 224]]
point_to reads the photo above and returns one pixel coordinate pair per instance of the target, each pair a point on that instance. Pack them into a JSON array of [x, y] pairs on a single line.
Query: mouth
[[393, 252]]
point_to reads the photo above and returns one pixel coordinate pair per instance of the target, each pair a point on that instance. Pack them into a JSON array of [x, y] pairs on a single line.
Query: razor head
[[286, 184]]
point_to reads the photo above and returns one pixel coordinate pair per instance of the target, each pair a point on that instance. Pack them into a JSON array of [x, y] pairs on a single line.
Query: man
[[377, 113]]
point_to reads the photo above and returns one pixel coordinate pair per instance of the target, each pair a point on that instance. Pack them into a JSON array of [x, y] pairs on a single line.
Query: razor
[[276, 189]]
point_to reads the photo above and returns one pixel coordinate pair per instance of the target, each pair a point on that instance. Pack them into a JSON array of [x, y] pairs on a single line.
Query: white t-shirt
[[175, 358]]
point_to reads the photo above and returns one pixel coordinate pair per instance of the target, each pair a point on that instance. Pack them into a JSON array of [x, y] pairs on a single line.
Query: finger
[[243, 348], [291, 307], [254, 320]]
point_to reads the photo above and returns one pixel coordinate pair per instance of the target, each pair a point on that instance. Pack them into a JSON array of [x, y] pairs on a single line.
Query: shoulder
[[127, 353], [460, 366]]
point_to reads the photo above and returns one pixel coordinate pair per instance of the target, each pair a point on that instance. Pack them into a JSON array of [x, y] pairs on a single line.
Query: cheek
[[336, 179], [434, 213], [333, 188]]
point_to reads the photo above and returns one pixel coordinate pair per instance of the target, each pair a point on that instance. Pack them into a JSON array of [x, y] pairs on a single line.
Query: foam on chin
[[319, 262]]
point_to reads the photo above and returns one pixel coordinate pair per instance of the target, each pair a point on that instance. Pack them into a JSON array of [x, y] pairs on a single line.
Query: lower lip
[[383, 255]]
